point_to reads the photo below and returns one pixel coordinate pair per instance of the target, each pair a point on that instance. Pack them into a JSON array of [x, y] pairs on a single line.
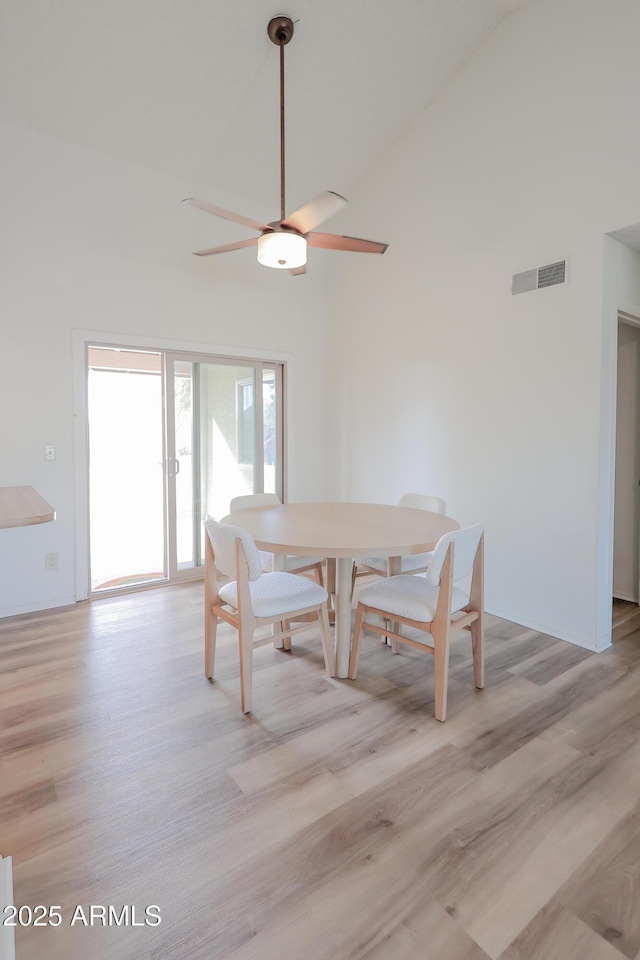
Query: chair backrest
[[419, 501], [223, 538], [464, 553], [250, 500]]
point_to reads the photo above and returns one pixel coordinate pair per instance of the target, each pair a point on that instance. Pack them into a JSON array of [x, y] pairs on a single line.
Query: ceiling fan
[[283, 243]]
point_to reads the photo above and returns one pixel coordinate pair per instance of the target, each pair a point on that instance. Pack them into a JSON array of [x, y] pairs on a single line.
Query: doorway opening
[[626, 539], [172, 438]]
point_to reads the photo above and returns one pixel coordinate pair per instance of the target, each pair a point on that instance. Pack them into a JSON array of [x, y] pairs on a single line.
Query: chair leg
[[245, 643], [477, 646], [355, 643], [441, 671], [441, 632], [327, 641], [331, 581], [477, 603], [354, 571], [286, 640], [394, 627], [210, 632]]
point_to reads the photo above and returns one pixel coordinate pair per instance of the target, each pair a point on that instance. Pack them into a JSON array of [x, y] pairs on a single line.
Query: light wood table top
[[22, 506], [343, 531]]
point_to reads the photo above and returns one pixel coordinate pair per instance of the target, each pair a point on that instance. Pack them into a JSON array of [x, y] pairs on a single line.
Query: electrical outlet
[[50, 561]]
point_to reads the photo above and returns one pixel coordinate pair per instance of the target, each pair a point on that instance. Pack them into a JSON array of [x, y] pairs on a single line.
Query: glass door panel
[[270, 452], [126, 479], [221, 444]]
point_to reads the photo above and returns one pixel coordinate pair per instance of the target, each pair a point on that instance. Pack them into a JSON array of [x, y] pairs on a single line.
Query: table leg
[[279, 564], [343, 615]]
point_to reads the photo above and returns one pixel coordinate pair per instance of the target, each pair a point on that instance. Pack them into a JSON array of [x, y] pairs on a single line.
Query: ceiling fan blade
[[296, 271], [315, 212], [226, 214], [332, 241], [228, 246]]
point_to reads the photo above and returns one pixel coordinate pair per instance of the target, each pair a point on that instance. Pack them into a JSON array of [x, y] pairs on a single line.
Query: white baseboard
[[618, 595], [35, 607], [549, 631], [7, 939]]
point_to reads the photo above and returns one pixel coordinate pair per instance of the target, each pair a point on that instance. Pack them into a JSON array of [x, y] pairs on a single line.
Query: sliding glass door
[[224, 441], [173, 437], [127, 517]]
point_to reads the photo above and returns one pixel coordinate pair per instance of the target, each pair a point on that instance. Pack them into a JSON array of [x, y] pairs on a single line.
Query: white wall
[[90, 243], [447, 383]]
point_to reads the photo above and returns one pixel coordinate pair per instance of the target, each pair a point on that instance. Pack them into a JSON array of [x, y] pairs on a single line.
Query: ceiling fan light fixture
[[282, 243], [282, 249]]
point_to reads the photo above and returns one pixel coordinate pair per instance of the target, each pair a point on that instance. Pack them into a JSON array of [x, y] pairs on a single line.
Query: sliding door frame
[[197, 352]]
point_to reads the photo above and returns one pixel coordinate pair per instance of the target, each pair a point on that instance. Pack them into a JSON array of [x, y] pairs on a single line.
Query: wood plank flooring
[[339, 821], [626, 618]]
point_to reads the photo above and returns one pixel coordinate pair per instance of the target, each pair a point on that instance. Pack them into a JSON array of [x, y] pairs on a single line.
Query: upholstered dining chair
[[305, 565], [414, 563], [252, 599], [448, 598]]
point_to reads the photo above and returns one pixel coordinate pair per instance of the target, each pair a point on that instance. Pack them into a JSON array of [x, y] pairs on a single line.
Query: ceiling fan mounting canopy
[[280, 30], [283, 243]]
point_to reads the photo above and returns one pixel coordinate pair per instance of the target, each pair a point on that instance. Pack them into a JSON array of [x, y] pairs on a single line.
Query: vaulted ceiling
[[190, 87]]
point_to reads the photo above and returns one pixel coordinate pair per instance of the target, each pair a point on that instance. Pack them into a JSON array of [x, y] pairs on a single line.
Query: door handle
[[176, 471]]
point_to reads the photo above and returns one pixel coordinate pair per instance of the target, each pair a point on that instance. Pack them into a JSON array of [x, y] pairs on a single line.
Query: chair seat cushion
[[277, 593], [293, 563], [375, 563], [414, 561], [410, 597]]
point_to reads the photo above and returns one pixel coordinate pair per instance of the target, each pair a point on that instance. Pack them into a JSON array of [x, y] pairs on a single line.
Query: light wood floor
[[626, 619], [340, 820]]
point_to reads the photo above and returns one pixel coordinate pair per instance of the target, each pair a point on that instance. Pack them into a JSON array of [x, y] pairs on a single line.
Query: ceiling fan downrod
[[280, 32]]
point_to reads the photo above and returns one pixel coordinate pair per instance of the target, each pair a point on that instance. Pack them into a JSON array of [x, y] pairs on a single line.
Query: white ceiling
[[190, 87]]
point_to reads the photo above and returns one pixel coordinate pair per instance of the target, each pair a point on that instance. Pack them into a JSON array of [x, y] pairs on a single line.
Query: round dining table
[[343, 532]]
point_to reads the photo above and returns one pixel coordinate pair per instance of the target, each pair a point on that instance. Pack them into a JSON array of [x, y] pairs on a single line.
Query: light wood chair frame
[[246, 623], [361, 569], [470, 617], [313, 570]]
